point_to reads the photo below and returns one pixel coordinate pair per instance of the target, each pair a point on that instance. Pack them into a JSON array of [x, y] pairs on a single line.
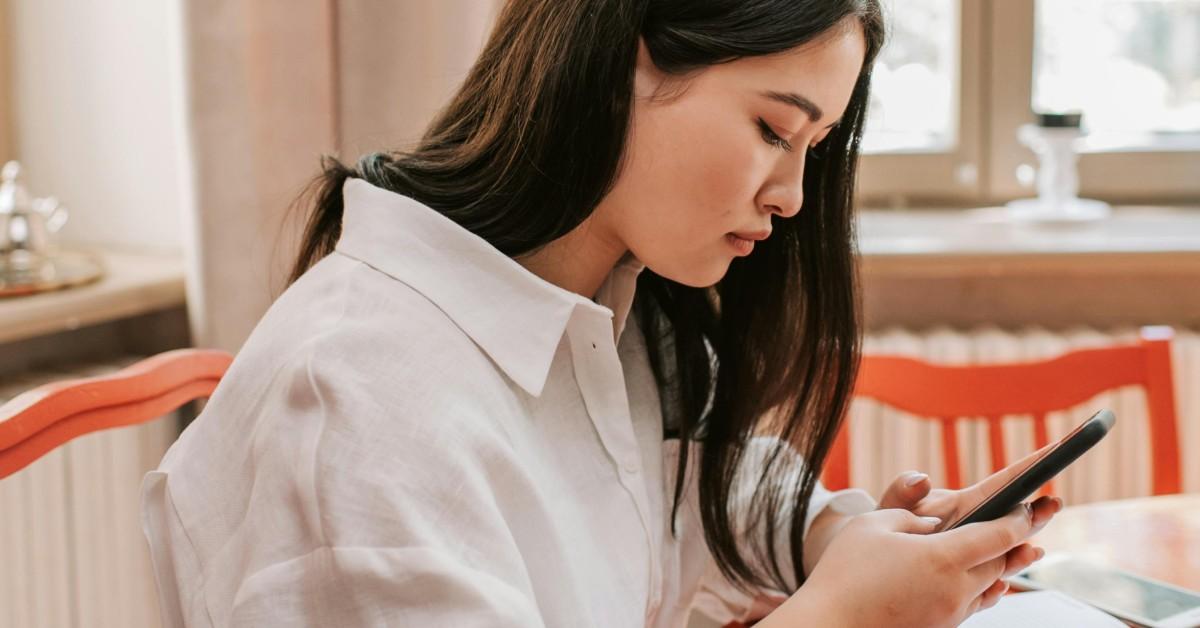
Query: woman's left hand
[[912, 491]]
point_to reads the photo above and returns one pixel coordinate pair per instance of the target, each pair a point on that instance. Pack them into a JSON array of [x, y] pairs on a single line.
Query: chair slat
[[837, 465], [1160, 396], [950, 452], [1041, 438], [996, 443]]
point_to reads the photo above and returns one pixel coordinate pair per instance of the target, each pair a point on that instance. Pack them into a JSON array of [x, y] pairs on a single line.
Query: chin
[[695, 276]]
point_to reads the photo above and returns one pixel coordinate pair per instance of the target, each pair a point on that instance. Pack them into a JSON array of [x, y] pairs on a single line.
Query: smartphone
[[1131, 597], [1038, 471]]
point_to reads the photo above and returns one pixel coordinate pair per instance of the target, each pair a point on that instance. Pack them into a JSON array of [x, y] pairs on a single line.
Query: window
[[923, 133], [959, 77], [913, 88], [1132, 68]]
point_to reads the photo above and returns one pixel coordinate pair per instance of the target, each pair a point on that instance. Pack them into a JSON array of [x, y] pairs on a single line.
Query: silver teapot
[[27, 224]]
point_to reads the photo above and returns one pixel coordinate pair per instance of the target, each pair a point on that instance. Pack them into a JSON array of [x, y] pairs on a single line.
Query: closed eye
[[771, 137]]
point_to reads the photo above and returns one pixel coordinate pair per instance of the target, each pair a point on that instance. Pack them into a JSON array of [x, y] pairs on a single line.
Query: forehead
[[824, 71]]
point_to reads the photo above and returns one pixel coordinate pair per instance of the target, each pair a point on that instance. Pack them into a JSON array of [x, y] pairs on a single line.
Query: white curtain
[[269, 86]]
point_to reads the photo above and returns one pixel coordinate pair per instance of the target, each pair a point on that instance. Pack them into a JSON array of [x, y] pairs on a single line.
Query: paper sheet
[[1041, 608]]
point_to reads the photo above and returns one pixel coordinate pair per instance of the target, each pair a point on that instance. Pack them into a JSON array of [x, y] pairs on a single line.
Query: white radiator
[[885, 442], [72, 554]]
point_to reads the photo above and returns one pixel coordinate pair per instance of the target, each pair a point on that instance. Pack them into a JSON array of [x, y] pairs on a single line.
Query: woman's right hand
[[888, 568]]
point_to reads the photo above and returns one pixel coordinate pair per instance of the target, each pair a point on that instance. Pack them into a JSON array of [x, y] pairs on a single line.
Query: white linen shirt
[[421, 432]]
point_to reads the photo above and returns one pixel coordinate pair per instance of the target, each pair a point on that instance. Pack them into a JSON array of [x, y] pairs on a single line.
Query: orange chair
[[947, 393], [35, 422]]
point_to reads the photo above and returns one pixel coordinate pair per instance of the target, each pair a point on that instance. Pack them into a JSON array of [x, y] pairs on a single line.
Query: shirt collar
[[516, 317]]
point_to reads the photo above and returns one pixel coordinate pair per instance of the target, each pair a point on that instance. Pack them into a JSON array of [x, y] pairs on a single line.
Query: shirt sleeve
[[410, 505], [372, 586], [718, 598]]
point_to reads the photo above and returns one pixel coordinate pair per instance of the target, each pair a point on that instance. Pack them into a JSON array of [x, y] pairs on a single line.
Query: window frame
[[995, 70], [1125, 174], [954, 175]]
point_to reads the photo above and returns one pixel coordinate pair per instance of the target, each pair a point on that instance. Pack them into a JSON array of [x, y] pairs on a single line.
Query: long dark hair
[[534, 139]]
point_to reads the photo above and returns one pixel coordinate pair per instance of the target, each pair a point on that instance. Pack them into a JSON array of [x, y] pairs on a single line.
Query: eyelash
[[772, 138]]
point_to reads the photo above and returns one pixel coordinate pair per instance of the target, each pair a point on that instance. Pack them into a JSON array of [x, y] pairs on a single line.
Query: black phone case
[[1043, 470]]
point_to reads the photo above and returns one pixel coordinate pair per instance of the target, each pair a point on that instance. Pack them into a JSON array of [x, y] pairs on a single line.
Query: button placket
[[601, 381], [604, 394]]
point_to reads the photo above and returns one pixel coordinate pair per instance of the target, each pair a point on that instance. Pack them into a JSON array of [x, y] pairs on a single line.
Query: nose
[[784, 193], [783, 199]]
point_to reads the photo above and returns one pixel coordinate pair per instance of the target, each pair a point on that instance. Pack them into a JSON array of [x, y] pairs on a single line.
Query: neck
[[579, 261]]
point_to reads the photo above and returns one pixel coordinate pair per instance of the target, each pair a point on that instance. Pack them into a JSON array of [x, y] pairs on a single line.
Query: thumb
[[909, 523], [899, 520], [905, 491]]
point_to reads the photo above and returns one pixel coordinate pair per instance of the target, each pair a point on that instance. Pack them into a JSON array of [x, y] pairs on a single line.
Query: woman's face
[[717, 154]]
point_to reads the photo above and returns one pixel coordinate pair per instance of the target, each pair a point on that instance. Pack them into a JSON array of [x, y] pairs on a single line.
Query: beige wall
[[5, 87], [92, 113]]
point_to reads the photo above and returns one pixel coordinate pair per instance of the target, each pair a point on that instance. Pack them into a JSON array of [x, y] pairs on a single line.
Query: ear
[[647, 78]]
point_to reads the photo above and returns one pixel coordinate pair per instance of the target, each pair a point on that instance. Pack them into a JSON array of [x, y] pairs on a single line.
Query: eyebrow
[[800, 102]]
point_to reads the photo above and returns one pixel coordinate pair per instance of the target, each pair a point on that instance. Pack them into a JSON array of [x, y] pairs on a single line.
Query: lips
[[757, 236]]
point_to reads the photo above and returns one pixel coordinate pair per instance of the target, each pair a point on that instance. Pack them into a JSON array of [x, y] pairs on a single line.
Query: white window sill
[[975, 232], [962, 268]]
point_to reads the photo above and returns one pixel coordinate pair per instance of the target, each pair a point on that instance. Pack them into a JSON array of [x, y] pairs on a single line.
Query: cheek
[[702, 172], [720, 174], [690, 178]]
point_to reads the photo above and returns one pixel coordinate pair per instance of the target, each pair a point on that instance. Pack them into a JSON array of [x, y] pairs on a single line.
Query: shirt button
[[631, 467]]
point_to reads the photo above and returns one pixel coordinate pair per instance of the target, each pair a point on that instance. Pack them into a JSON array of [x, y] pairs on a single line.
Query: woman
[[576, 359]]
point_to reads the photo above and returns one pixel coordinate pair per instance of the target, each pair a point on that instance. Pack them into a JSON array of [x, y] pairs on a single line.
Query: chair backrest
[[35, 422], [948, 393]]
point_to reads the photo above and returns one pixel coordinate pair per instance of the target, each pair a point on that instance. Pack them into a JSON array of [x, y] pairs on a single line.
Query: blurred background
[[175, 133]]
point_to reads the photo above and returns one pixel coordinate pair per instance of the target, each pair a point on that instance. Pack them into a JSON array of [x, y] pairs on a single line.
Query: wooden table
[[1157, 537], [135, 283]]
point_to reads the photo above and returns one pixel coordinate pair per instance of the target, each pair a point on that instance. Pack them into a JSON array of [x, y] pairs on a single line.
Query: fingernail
[[1039, 553], [1029, 511], [914, 478], [933, 520]]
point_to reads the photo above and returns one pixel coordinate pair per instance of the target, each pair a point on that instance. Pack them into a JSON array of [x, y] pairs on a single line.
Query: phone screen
[[1025, 467], [1029, 479], [1110, 588]]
